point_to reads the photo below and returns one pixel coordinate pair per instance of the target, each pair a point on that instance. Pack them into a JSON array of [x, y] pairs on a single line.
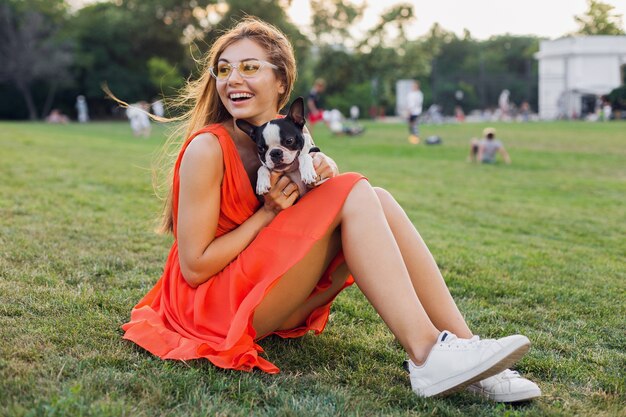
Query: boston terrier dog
[[284, 147]]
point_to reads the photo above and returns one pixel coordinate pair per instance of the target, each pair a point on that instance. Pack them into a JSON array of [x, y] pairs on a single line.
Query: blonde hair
[[200, 98]]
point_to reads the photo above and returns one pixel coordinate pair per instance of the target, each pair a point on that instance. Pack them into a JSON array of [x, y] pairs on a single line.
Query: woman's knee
[[386, 199], [383, 195], [361, 196]]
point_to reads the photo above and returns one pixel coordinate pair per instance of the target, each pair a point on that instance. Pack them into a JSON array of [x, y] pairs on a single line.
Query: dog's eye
[[289, 141]]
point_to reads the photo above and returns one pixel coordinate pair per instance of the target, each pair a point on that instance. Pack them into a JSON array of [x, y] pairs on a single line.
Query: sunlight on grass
[[536, 247]]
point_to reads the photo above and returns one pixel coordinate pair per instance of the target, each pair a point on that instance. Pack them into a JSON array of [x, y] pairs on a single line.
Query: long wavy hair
[[201, 101]]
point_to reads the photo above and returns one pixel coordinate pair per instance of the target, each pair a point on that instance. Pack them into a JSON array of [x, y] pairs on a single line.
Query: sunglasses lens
[[223, 70], [249, 68]]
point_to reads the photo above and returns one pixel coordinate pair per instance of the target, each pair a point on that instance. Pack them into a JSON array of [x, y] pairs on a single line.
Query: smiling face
[[255, 98]]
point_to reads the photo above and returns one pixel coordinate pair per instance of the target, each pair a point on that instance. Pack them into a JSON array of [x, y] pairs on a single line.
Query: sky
[[484, 18]]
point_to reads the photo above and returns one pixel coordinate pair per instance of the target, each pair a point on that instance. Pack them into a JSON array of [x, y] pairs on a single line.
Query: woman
[[241, 269]]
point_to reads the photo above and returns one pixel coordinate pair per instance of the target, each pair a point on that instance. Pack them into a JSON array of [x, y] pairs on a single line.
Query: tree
[[164, 76], [617, 98], [599, 19], [480, 69], [332, 20], [373, 64], [271, 11], [398, 17], [115, 45], [30, 50]]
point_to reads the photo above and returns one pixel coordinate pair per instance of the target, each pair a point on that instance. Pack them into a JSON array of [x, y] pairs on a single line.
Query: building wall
[[572, 67], [552, 83]]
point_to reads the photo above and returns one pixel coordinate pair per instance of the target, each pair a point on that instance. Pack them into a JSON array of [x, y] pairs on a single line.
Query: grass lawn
[[537, 247]]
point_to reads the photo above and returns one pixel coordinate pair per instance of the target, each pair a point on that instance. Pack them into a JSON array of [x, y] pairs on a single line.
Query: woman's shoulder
[[205, 146], [202, 160]]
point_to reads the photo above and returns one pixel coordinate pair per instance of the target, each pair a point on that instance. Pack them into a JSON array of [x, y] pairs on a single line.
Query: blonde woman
[[242, 268]]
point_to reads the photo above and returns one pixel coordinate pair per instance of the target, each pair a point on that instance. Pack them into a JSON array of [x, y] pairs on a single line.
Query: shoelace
[[453, 340]]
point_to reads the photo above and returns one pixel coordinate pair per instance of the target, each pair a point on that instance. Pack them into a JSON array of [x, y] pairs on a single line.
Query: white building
[[574, 71]]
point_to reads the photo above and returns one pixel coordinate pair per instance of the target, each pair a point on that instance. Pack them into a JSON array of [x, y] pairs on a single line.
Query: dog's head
[[279, 141]]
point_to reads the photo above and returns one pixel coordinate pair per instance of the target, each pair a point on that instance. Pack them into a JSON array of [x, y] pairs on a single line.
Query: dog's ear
[[247, 127], [296, 112]]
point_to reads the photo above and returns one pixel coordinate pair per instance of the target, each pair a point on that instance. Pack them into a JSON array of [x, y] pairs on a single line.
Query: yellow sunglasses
[[246, 68]]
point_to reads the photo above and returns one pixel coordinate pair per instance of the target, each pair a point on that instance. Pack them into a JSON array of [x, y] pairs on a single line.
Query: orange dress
[[214, 320]]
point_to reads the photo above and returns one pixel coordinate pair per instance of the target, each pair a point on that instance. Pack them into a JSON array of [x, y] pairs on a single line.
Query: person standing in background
[[139, 119], [503, 105], [606, 110], [81, 109], [415, 100], [354, 113], [314, 102], [157, 107]]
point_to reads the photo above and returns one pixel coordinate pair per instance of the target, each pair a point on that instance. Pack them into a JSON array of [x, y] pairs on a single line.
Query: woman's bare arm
[[201, 254]]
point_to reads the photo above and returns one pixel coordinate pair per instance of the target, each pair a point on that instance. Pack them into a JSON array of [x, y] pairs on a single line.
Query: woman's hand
[[324, 166], [282, 194]]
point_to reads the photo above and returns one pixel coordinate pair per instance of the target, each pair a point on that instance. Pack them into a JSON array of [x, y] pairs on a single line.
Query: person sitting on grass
[[244, 267], [486, 149], [56, 116], [338, 126]]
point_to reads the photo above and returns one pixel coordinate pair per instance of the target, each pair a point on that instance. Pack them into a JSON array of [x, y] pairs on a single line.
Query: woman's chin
[[248, 110], [239, 113]]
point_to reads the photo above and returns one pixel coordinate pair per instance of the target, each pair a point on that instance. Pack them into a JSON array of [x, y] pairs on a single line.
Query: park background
[[535, 247], [55, 50]]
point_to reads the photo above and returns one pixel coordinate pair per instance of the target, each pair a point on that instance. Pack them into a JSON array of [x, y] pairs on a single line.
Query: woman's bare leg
[[284, 305], [298, 317], [375, 260], [376, 263], [429, 285]]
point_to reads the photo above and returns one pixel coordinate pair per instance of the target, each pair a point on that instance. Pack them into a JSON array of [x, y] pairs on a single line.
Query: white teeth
[[240, 95]]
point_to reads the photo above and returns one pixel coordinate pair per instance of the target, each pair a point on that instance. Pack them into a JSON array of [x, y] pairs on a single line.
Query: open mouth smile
[[237, 97]]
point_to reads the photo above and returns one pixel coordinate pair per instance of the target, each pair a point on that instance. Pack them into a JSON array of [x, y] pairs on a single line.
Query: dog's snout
[[276, 154]]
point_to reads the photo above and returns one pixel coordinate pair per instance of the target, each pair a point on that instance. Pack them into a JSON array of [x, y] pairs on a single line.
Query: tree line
[[146, 49]]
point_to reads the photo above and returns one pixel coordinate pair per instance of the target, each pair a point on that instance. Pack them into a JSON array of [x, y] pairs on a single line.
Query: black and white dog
[[284, 147]]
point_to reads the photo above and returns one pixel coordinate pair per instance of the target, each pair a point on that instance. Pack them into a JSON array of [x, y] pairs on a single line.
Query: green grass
[[536, 247]]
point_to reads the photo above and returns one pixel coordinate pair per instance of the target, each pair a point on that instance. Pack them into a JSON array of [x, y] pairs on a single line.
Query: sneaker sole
[[497, 364]]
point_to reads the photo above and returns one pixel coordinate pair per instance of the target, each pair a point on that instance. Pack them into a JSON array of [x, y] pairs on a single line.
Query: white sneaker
[[454, 363], [506, 387]]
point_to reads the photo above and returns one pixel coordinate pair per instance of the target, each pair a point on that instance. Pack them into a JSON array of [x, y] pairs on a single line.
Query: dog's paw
[[307, 171], [263, 184], [309, 177], [262, 190]]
